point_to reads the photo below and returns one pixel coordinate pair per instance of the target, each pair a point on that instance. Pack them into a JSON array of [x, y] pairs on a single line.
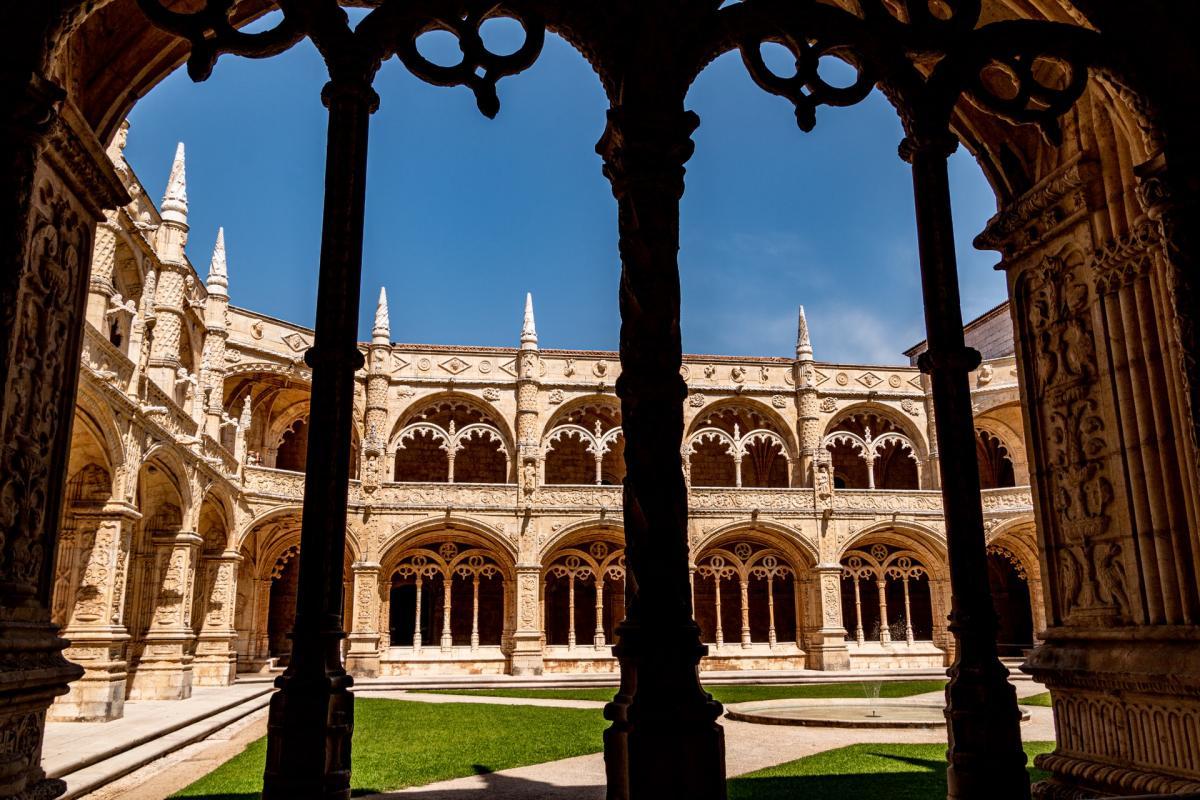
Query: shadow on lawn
[[930, 782]]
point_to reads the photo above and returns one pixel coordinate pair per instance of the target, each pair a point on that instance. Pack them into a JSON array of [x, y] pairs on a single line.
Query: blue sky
[[466, 214]]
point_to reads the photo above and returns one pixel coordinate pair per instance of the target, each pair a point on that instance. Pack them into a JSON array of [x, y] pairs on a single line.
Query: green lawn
[[1042, 700], [892, 771], [725, 694], [398, 744]]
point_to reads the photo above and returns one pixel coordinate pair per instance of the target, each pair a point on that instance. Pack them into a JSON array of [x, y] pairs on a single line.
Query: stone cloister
[[519, 510]]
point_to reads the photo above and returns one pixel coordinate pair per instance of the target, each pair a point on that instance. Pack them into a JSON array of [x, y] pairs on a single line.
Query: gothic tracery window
[[739, 446], [886, 596], [585, 445], [745, 593], [451, 441], [870, 451]]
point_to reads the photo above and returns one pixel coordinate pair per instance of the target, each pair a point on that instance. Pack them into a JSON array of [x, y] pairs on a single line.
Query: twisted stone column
[[664, 741]]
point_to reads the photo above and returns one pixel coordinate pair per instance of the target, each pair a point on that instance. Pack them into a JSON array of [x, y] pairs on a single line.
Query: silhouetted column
[[664, 741], [985, 753], [312, 714]]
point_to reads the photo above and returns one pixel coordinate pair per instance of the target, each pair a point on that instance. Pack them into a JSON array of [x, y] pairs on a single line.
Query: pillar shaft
[[664, 740], [985, 754], [312, 714]]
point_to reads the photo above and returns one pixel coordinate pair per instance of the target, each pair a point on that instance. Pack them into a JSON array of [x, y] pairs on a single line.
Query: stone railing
[[279, 483], [215, 453], [162, 410], [105, 361], [702, 498], [1017, 499]]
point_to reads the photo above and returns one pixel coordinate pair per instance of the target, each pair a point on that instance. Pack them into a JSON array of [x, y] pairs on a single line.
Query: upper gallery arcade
[[485, 522]]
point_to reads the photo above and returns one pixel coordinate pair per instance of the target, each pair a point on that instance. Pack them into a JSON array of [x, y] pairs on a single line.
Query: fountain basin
[[842, 713]]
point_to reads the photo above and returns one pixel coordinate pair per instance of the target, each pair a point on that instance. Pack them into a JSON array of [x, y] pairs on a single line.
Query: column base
[[98, 696], [215, 662], [828, 651], [664, 740], [363, 657], [527, 657], [164, 672], [34, 673], [309, 731], [1142, 689]]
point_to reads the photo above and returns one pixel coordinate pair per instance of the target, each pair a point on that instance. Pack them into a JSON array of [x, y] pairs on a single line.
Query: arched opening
[[583, 593], [445, 594], [1009, 584], [869, 450], [584, 445], [886, 596], [995, 462], [451, 441], [293, 447], [746, 592], [737, 445]]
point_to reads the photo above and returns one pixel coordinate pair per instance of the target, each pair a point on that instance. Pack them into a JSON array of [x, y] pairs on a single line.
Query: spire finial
[[804, 350], [529, 328], [381, 333], [174, 204], [218, 270]]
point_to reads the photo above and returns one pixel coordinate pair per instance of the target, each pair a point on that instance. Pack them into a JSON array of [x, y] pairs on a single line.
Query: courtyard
[[466, 748]]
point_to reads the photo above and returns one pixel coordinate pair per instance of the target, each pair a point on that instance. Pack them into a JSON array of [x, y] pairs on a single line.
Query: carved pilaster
[[215, 662], [365, 644], [1104, 403], [165, 669], [526, 658], [825, 642], [91, 571]]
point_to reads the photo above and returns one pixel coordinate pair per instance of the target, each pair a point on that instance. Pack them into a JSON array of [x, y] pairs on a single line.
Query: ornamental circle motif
[[424, 364], [894, 381], [448, 550], [598, 550], [743, 550], [842, 379], [485, 367]]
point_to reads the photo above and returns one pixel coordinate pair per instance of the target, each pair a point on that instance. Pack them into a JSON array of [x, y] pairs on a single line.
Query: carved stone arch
[[1019, 537], [409, 413], [215, 513], [163, 457], [771, 533], [443, 526], [95, 415], [778, 423], [581, 532], [928, 543], [895, 416], [280, 513], [606, 402]]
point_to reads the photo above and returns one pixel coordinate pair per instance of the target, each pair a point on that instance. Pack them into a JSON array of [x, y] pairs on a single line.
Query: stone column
[[164, 671], [826, 646], [216, 652], [983, 722], [312, 715], [885, 632], [169, 295], [261, 633], [664, 741], [100, 282], [56, 182], [364, 655], [92, 566], [526, 658]]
